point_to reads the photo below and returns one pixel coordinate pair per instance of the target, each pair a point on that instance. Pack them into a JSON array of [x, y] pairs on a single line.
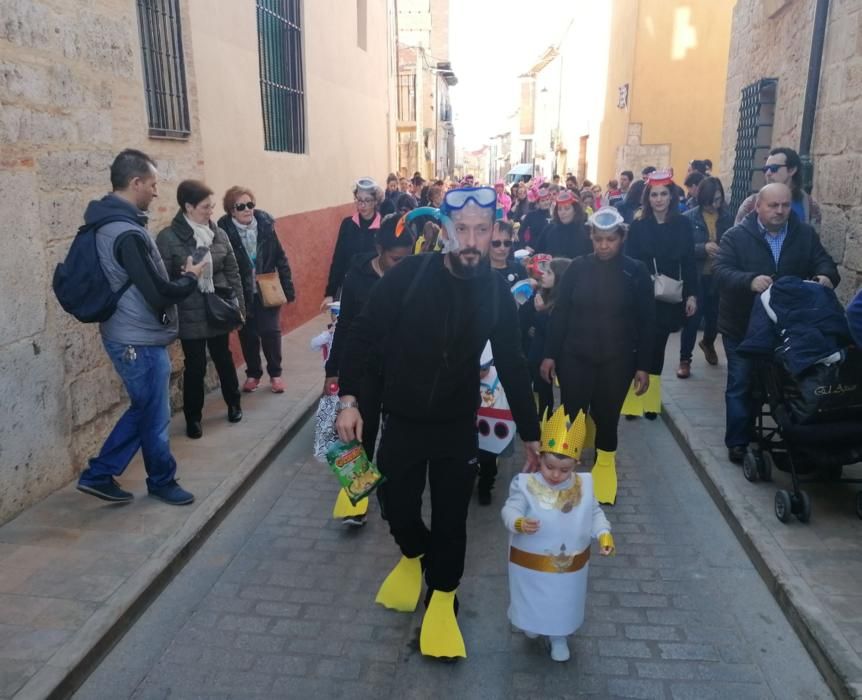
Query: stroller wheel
[[782, 506], [766, 465], [749, 465], [859, 504], [803, 512]]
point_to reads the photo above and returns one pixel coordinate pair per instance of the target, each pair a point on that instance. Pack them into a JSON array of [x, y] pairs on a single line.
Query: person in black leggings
[[601, 338]]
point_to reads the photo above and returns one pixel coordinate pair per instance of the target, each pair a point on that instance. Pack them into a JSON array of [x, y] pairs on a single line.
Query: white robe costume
[[542, 602]]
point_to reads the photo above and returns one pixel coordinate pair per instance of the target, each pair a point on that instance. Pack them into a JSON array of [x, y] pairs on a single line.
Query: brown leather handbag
[[271, 291]]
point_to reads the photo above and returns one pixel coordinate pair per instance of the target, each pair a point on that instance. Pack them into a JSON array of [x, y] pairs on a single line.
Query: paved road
[[279, 604]]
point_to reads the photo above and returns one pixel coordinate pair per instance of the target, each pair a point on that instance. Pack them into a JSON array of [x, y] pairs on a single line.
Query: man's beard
[[462, 269]]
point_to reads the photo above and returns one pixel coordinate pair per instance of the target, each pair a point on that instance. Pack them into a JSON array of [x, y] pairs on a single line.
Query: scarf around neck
[[204, 239]]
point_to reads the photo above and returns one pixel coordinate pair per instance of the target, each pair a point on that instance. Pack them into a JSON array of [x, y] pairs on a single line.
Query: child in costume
[[495, 424], [553, 515]]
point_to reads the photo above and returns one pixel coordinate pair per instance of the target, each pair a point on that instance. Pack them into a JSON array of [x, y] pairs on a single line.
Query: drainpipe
[[812, 86]]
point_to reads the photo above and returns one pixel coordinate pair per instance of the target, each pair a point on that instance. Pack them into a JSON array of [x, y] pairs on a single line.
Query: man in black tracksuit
[[430, 318]]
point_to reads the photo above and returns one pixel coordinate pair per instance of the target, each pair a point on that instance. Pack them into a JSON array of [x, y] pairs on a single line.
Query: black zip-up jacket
[[604, 310], [532, 225], [270, 256], [352, 239], [431, 328], [358, 283], [565, 240], [744, 254]]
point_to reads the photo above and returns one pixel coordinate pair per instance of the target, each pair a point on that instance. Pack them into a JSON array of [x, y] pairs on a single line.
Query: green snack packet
[[355, 472]]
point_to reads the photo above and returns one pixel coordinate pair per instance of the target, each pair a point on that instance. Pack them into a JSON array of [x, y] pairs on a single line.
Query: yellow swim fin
[[440, 635], [605, 477], [652, 397], [343, 508], [400, 590]]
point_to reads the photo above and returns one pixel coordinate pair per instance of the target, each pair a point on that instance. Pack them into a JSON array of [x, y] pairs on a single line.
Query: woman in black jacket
[[252, 234], [356, 234], [566, 236], [600, 339], [662, 240], [366, 270], [520, 203], [709, 220]]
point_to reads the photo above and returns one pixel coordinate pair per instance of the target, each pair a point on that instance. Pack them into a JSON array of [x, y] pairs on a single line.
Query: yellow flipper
[[634, 404], [440, 635], [343, 508], [400, 590], [652, 397], [590, 439], [605, 477]]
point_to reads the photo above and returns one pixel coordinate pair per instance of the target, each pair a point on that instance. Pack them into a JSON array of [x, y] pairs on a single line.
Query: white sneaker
[[559, 649]]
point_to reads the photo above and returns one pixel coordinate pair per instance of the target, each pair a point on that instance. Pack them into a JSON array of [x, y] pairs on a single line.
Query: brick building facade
[[72, 94]]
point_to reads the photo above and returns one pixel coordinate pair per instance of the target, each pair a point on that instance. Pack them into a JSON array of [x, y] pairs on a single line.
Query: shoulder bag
[[665, 288], [271, 291]]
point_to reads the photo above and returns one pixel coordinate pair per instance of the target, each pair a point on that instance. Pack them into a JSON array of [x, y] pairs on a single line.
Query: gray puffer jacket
[[176, 243]]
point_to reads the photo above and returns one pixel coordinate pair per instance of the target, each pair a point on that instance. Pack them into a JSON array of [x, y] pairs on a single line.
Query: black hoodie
[[431, 327], [358, 281]]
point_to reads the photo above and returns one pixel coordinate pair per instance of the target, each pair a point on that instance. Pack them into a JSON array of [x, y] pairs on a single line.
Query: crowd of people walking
[[576, 287]]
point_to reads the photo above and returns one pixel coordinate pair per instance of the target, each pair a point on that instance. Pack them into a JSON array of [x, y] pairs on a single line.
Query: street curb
[[76, 659], [835, 659]]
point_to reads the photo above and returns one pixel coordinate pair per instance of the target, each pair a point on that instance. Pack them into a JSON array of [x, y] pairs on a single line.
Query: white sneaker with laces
[[559, 649]]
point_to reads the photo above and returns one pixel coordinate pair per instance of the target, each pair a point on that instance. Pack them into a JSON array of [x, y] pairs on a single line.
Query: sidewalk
[[75, 571], [814, 570]]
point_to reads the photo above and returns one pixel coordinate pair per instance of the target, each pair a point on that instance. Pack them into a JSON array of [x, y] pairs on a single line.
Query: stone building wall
[[758, 28], [71, 96], [635, 156]]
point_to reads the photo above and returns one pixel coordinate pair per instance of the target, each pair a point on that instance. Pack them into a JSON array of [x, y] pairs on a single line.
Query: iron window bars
[[753, 138], [279, 35], [164, 68]]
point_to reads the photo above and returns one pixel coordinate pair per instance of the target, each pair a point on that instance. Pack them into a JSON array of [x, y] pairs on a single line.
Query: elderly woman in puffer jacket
[[193, 229]]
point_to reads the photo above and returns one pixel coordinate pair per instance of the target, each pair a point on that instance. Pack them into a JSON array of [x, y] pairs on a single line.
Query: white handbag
[[665, 288]]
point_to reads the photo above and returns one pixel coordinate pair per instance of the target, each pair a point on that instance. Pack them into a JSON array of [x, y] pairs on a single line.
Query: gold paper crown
[[563, 436]]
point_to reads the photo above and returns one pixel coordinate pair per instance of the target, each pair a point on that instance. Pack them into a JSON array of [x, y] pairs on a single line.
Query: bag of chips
[[355, 472]]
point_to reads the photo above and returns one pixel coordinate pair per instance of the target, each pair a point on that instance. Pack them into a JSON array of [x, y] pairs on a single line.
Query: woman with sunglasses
[[566, 236], [501, 249], [356, 234], [252, 234]]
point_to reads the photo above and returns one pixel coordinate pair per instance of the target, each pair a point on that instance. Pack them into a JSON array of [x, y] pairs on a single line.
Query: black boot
[[234, 413]]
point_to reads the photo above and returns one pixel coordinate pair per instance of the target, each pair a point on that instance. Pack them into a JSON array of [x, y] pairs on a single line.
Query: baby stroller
[[809, 421]]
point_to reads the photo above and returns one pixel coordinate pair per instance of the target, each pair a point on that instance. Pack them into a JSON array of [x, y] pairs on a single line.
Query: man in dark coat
[[769, 243]]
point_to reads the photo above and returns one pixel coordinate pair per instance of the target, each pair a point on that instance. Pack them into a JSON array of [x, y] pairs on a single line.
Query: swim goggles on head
[[454, 200], [606, 219], [366, 183]]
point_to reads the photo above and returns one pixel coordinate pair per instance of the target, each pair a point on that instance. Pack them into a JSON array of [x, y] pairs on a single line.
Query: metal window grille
[[282, 91], [753, 138], [407, 97], [164, 68]]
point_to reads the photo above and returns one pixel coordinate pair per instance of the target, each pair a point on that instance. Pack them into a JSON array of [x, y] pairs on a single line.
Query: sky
[[491, 42]]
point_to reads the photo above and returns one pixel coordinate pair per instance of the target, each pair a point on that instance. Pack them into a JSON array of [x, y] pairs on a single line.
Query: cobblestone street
[[279, 603]]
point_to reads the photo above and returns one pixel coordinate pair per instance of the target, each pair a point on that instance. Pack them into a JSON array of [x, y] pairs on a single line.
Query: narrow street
[[278, 603]]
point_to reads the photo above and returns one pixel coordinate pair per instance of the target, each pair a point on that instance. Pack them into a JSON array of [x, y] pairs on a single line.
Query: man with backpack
[[138, 320]]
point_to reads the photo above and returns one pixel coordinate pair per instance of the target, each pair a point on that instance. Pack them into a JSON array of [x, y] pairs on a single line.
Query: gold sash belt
[[550, 564]]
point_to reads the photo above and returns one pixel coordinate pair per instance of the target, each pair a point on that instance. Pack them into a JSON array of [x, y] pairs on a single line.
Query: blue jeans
[[707, 309], [146, 373], [738, 403]]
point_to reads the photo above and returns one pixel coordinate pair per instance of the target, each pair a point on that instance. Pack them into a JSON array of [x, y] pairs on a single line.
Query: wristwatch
[[347, 404]]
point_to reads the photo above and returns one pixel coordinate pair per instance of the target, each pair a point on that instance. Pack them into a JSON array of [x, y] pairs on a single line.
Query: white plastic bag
[[324, 426]]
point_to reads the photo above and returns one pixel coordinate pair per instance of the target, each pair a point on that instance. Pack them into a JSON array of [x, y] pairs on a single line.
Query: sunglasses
[[243, 206], [773, 168], [498, 243], [458, 199]]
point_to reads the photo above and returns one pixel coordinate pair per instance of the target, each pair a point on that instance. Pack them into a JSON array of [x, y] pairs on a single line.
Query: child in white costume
[[553, 515]]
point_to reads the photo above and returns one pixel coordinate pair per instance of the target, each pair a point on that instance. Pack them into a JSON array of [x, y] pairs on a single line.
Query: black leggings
[[659, 344], [600, 390]]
